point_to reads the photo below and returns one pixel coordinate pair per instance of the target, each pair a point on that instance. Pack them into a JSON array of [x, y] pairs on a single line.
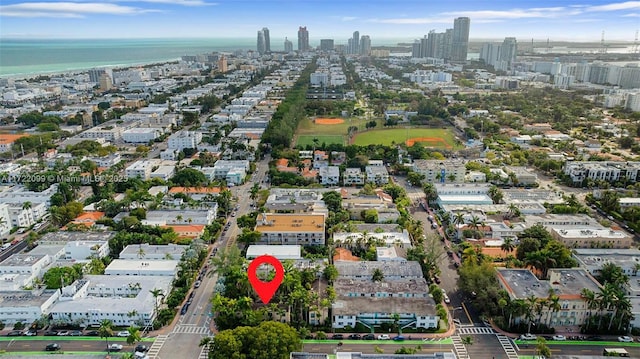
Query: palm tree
[[155, 292], [141, 252], [474, 223], [134, 335], [554, 305], [377, 275], [592, 303], [508, 245], [514, 211], [106, 330], [26, 205], [530, 302]]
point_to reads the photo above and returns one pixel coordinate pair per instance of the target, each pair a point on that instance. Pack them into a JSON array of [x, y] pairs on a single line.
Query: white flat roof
[[138, 266], [278, 251]]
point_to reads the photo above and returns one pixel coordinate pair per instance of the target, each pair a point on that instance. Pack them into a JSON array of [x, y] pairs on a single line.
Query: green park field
[[337, 133], [304, 140], [429, 137]]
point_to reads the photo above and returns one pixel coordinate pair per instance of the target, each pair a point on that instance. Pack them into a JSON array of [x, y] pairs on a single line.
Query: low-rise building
[[124, 300], [180, 217], [140, 169], [304, 229], [353, 176], [441, 171], [567, 284], [401, 296], [377, 175], [142, 267], [85, 250], [140, 135], [184, 139], [386, 239], [463, 193], [152, 252], [523, 176], [25, 306], [580, 171], [329, 175], [591, 237], [163, 172], [283, 252]]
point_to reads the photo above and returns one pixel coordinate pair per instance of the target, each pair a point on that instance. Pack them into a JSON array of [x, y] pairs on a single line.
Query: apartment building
[[140, 169], [353, 176], [329, 175], [567, 284], [435, 171], [303, 229], [140, 135], [602, 171], [402, 293], [184, 139], [377, 175]]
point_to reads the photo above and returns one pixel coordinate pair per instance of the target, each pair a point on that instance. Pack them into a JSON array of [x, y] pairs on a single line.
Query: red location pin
[[265, 290]]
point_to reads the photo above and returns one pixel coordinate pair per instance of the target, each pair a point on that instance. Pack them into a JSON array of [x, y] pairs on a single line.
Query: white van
[[5, 246]]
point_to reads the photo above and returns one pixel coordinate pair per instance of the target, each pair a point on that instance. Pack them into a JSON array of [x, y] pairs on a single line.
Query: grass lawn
[[304, 140], [336, 133], [400, 135]]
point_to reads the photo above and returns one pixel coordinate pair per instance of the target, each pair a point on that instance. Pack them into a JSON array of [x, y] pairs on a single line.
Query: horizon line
[[400, 39]]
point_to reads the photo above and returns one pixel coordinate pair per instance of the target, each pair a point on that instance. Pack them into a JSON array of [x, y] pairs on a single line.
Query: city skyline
[[408, 19]]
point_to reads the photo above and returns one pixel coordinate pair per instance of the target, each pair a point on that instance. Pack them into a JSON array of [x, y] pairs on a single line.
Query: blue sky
[[399, 19]]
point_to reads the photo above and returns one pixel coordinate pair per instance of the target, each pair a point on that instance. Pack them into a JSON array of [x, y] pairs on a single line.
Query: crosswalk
[[191, 329], [458, 346], [154, 350], [507, 345], [475, 330]]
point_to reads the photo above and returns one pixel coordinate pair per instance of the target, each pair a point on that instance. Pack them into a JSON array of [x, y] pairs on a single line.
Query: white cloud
[[413, 21], [515, 13], [172, 2], [627, 5], [66, 9], [633, 14]]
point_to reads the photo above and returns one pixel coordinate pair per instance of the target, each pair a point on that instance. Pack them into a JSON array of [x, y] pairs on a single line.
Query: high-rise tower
[[365, 45], [355, 43], [460, 39], [267, 39], [262, 48], [288, 45], [303, 39]]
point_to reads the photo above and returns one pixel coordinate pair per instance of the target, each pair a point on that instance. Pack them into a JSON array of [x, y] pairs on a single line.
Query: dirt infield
[[429, 141], [328, 121]]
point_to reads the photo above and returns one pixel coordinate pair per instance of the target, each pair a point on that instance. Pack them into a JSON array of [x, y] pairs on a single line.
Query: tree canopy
[[269, 340]]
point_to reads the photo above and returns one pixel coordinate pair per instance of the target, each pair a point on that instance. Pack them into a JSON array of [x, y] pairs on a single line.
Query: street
[[195, 324]]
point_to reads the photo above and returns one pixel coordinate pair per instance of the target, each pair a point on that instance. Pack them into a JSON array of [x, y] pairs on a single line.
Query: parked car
[[30, 332], [625, 339], [123, 334], [52, 347], [114, 347], [184, 309], [559, 337], [337, 336], [369, 337], [92, 333], [63, 333], [197, 284], [76, 333], [398, 338], [141, 348], [528, 336], [436, 279], [594, 338], [50, 333], [446, 298], [354, 337], [384, 337], [14, 333]]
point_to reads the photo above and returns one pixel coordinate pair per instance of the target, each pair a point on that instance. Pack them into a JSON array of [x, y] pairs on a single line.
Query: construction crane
[[636, 46], [603, 46]]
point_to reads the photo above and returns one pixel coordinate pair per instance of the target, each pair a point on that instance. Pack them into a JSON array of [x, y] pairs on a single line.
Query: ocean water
[[29, 57]]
